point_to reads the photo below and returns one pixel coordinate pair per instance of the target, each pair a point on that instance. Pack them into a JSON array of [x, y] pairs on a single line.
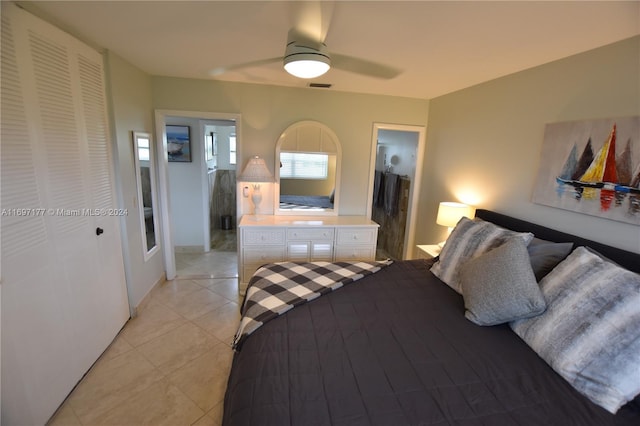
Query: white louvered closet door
[[63, 287]]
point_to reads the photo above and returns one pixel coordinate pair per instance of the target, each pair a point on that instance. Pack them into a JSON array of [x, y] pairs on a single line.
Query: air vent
[[320, 85]]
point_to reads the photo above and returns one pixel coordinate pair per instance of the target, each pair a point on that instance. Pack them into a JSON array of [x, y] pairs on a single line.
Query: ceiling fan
[[306, 54]]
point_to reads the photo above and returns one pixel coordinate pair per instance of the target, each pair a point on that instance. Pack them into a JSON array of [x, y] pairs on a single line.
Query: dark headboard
[[624, 258]]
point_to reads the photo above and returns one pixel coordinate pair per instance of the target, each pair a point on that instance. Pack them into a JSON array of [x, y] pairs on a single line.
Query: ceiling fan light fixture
[[306, 68], [306, 62]]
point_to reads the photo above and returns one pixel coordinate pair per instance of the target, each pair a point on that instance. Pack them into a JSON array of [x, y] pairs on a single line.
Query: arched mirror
[[307, 170], [145, 178]]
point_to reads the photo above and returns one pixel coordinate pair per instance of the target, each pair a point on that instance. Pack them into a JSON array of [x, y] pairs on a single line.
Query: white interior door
[[63, 289]]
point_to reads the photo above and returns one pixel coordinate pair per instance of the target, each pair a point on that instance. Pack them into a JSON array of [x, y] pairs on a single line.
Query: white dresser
[[268, 239]]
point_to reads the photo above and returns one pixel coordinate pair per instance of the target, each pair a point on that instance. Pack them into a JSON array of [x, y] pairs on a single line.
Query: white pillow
[[590, 332], [468, 240]]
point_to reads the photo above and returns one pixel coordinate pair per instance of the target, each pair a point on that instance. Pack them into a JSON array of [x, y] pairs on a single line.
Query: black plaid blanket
[[276, 288]]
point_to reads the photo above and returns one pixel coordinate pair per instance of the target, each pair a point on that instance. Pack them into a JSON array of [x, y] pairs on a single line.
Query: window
[[299, 165], [232, 148], [143, 149]]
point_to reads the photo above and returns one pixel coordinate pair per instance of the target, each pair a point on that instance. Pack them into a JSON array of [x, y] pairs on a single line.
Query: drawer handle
[[262, 237], [355, 237]]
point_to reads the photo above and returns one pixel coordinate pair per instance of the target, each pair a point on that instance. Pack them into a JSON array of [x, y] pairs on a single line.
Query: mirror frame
[[147, 252], [324, 132]]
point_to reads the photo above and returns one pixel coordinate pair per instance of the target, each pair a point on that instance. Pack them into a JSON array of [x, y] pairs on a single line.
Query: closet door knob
[[99, 231]]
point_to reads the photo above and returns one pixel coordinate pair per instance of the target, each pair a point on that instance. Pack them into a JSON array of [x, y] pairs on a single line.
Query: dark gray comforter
[[395, 349], [305, 201]]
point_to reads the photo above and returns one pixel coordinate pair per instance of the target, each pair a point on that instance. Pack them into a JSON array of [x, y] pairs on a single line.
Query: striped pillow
[[590, 332], [470, 239]]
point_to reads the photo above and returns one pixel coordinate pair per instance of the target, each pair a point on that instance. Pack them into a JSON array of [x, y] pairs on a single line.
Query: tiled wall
[[222, 197]]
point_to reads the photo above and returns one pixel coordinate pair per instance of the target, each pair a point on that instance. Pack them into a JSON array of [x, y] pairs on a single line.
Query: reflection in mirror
[[307, 170], [145, 177]]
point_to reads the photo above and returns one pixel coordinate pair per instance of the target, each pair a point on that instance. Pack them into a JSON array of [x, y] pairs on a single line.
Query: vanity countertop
[[272, 220]]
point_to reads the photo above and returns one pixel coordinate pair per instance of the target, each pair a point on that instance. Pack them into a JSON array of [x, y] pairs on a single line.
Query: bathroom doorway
[[197, 196], [221, 145], [396, 169]]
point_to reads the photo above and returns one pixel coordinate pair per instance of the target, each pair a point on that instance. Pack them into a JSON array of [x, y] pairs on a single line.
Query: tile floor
[[170, 364], [215, 264], [220, 262]]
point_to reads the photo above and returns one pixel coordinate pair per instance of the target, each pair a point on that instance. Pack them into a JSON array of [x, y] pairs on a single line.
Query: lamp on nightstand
[[255, 172], [449, 213]]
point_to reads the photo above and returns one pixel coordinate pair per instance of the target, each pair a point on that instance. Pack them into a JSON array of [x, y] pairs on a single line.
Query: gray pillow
[[590, 333], [469, 239], [499, 286], [545, 255]]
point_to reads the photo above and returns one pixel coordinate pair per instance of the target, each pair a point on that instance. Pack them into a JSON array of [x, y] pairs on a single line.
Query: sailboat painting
[[592, 167]]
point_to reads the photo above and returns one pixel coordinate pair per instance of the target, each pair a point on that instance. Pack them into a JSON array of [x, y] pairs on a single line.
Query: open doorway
[[396, 170], [220, 151], [198, 195]]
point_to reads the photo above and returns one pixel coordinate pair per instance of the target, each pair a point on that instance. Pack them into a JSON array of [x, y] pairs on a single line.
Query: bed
[[305, 202], [395, 348]]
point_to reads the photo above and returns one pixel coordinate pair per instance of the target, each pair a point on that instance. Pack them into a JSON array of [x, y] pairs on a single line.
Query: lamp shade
[[450, 213], [256, 170]]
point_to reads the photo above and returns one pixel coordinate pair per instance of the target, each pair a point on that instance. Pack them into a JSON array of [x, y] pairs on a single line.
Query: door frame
[[163, 175], [414, 191]]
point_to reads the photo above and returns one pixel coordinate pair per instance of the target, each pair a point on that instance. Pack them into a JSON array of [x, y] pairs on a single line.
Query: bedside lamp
[[450, 213], [255, 172]]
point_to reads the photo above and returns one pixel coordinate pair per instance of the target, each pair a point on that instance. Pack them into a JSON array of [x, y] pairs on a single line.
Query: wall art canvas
[[592, 167], [178, 143]]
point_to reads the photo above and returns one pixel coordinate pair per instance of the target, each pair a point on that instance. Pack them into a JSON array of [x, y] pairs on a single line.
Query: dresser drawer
[[310, 234], [355, 253], [261, 256], [252, 259], [357, 236], [263, 236]]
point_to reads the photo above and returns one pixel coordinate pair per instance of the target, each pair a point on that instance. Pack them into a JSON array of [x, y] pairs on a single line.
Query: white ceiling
[[440, 46]]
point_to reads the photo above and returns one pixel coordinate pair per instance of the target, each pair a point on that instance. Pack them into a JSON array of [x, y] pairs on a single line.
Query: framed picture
[[208, 146], [178, 143], [592, 167]]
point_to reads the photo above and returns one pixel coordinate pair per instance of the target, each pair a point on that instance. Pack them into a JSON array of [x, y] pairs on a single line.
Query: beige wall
[[268, 110], [130, 91], [484, 142]]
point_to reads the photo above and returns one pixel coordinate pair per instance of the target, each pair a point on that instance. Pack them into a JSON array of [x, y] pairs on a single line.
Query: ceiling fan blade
[[311, 19], [363, 66], [221, 70]]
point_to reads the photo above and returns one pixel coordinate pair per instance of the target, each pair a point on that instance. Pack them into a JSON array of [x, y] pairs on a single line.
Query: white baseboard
[[147, 297]]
